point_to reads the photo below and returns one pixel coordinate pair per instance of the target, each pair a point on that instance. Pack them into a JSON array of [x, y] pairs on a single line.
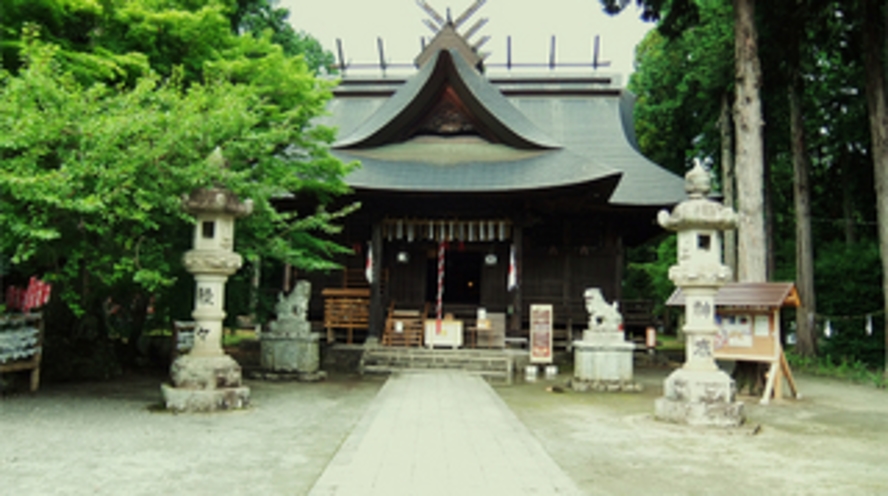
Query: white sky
[[530, 24]]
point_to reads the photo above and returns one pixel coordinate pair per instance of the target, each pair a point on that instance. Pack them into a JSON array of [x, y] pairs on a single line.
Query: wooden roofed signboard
[[748, 319]]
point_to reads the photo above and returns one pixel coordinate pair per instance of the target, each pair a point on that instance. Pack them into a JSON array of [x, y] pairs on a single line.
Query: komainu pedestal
[[289, 350], [603, 358]]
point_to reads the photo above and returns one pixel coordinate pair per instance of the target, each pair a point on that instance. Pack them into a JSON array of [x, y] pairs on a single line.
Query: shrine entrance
[[462, 278]]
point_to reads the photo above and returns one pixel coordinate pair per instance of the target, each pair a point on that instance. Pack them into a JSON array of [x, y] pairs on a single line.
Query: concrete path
[[441, 433]]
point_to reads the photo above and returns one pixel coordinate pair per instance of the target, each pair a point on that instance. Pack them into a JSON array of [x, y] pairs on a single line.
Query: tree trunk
[[807, 341], [750, 156], [727, 165], [873, 39], [849, 224], [768, 202]]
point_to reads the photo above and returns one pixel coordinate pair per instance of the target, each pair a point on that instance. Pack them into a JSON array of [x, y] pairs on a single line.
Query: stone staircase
[[496, 366]]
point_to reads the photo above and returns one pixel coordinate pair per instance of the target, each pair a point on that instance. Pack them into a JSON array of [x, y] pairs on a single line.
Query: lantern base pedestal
[[205, 384], [699, 398]]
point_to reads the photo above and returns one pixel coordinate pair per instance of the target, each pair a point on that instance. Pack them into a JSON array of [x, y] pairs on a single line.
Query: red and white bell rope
[[439, 304]]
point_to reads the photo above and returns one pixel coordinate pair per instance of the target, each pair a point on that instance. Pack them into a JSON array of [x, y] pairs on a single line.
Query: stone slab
[[441, 433]]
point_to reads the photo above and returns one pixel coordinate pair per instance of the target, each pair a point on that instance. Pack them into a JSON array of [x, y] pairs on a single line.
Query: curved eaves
[[550, 169], [495, 111], [408, 104]]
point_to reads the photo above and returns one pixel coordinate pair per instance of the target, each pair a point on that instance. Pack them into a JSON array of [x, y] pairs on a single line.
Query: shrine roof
[[552, 130], [748, 294]]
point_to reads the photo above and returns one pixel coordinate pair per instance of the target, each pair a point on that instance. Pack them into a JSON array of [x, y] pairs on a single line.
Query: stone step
[[504, 378], [495, 366]]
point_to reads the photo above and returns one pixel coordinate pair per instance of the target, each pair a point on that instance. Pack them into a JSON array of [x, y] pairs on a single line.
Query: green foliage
[[647, 271], [848, 283], [262, 18], [118, 41], [674, 16], [825, 366], [679, 84], [92, 176]]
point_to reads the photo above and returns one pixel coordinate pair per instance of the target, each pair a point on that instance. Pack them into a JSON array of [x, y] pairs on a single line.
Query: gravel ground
[[111, 438], [832, 441]]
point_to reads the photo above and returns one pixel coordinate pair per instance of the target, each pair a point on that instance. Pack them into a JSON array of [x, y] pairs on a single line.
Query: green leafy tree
[[262, 16], [118, 41], [679, 85], [92, 176]]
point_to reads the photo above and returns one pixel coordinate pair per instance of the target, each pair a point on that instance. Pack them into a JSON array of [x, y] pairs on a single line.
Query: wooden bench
[[346, 309], [21, 345]]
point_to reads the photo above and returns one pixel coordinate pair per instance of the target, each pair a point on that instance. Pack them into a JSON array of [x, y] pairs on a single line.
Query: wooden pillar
[[566, 278], [517, 303], [376, 316], [285, 286], [621, 259]]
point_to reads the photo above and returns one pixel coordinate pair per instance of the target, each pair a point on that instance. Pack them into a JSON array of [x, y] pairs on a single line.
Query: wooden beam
[[475, 27], [341, 55], [379, 47], [431, 12], [430, 25], [552, 53], [517, 303], [468, 13]]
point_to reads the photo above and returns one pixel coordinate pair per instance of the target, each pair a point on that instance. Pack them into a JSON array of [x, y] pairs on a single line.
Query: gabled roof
[[748, 294], [408, 104], [539, 132]]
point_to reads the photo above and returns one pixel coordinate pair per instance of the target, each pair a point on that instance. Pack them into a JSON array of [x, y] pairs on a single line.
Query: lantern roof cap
[[216, 200], [698, 211]]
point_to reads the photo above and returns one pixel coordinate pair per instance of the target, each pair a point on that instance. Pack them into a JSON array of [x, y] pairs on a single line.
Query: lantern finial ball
[[697, 181]]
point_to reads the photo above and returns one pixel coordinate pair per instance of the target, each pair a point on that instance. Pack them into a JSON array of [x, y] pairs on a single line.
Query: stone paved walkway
[[441, 433]]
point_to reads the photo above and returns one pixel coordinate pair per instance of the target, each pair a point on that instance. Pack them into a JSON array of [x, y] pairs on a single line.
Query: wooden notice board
[[541, 334], [748, 320]]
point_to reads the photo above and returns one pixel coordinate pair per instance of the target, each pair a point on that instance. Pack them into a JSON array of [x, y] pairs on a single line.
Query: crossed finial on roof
[[439, 22]]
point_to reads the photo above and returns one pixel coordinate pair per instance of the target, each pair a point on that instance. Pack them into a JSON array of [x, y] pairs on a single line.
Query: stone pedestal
[[603, 358], [290, 351], [603, 362], [205, 383], [701, 398], [286, 353]]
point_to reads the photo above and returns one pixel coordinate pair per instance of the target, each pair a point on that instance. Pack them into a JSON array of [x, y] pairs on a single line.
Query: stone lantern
[[699, 393], [206, 378]]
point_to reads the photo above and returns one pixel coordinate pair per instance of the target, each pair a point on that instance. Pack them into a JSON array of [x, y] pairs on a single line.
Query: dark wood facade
[[551, 162]]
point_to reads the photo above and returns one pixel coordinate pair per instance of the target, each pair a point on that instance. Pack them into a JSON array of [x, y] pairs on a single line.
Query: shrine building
[[483, 192]]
